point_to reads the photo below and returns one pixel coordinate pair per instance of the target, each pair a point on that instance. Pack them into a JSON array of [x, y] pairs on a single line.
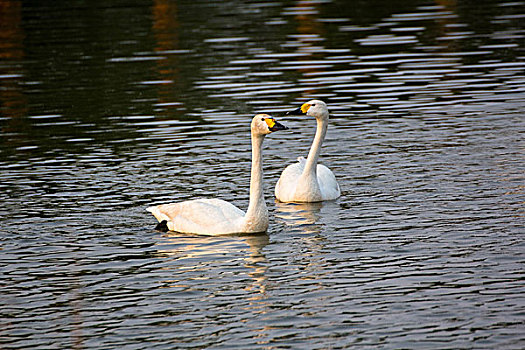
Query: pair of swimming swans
[[305, 181]]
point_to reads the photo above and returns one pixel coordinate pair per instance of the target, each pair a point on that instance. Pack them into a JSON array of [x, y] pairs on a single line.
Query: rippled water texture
[[110, 106]]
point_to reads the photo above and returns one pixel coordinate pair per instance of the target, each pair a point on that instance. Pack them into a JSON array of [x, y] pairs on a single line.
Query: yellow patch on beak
[[305, 107], [270, 122]]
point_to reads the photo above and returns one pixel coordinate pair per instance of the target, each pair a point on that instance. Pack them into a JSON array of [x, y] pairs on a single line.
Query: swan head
[[263, 124], [313, 108]]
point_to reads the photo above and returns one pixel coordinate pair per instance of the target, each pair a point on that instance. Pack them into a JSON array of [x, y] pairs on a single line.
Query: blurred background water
[[107, 107]]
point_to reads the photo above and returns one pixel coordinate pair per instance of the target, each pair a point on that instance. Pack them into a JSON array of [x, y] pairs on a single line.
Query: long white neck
[[310, 168], [257, 213]]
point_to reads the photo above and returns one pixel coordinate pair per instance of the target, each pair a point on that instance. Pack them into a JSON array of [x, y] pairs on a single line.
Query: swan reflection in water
[[300, 216], [194, 256]]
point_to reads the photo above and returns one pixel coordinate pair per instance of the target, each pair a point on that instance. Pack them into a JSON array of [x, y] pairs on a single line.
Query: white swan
[[307, 181], [215, 216]]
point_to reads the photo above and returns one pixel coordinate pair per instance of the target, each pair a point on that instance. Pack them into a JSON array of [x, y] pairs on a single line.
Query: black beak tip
[[297, 111], [278, 126]]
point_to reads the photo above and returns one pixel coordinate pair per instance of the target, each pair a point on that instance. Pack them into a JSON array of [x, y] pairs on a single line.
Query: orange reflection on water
[[310, 33], [12, 100], [166, 29]]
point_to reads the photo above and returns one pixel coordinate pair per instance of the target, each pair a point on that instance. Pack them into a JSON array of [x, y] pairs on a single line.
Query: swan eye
[[313, 105]]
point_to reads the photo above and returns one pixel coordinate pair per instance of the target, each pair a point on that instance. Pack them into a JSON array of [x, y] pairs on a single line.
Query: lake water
[[107, 107]]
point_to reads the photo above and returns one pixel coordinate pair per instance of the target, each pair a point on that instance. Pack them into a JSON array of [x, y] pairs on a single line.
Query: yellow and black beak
[[300, 111], [274, 125]]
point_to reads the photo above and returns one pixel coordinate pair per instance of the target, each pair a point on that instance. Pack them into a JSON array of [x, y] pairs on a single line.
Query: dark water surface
[[109, 106]]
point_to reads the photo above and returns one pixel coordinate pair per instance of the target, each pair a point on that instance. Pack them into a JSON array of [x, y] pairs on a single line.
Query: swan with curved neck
[[307, 181], [216, 216]]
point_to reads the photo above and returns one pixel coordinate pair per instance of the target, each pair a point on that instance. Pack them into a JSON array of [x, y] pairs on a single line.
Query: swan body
[[293, 187], [216, 216], [307, 181]]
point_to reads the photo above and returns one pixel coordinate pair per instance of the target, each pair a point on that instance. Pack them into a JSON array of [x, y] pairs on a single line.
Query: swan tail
[[157, 213], [162, 218], [301, 159]]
